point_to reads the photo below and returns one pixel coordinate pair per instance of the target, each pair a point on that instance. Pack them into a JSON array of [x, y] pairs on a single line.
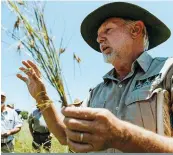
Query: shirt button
[[117, 108], [120, 85]]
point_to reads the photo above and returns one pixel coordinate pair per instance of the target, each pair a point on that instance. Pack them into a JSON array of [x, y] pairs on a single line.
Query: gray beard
[[109, 58]]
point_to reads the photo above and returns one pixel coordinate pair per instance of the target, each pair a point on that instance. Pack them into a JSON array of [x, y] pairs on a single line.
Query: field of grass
[[23, 142]]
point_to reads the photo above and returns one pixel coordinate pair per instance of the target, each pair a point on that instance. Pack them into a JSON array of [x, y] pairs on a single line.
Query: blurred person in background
[[39, 131], [10, 125]]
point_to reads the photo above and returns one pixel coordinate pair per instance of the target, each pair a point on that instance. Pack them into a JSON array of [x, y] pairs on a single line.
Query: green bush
[[24, 115]]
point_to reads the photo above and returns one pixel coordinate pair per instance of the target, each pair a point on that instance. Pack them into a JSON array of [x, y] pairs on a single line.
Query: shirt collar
[[144, 61], [110, 75]]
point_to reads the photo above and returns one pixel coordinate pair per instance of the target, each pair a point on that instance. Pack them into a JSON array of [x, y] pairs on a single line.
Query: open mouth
[[104, 48]]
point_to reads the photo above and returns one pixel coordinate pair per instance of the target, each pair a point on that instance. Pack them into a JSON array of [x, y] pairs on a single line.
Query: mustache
[[104, 46]]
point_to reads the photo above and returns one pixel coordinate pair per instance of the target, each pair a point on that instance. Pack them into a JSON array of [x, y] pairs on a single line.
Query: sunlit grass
[[23, 142]]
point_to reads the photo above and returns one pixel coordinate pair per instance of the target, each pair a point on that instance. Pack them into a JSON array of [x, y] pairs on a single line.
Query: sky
[[63, 18]]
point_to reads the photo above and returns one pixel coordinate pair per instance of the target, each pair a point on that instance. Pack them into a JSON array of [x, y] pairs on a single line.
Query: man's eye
[[108, 29]]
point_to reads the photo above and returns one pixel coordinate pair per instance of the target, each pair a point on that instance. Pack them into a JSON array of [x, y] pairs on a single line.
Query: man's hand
[[100, 128], [38, 92], [8, 133], [33, 81], [94, 129]]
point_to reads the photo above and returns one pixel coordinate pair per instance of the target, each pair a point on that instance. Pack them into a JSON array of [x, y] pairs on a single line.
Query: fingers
[[29, 67], [26, 71], [79, 125], [22, 78], [76, 136], [26, 64], [29, 71], [79, 147], [80, 112], [34, 67]]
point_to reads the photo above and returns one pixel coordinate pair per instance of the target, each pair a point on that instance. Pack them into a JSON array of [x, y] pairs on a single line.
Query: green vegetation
[[23, 142], [24, 115]]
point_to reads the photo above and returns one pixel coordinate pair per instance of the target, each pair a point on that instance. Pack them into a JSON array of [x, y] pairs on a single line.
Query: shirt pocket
[[143, 88], [9, 124], [138, 95]]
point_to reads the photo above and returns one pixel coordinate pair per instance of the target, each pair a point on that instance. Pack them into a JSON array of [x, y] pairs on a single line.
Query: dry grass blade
[[62, 50], [20, 2], [16, 24], [40, 45], [76, 58]]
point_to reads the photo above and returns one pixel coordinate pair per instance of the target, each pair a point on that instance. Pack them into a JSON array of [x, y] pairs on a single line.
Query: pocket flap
[[137, 95]]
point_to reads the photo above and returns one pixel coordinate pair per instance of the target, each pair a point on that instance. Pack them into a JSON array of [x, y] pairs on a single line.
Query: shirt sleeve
[[18, 122], [86, 102]]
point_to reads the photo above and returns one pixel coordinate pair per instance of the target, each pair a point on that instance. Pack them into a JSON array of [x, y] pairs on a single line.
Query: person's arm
[[95, 129], [53, 120], [17, 125], [11, 132], [37, 90], [30, 122], [136, 139]]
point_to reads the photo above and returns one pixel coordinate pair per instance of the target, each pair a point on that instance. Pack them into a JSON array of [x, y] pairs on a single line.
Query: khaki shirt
[[120, 97], [37, 122]]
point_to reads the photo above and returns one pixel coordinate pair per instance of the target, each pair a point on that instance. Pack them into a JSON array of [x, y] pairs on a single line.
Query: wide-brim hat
[[10, 105], [158, 32], [3, 94]]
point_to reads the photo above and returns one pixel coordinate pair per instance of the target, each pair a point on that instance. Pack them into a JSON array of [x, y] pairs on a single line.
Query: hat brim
[[158, 32]]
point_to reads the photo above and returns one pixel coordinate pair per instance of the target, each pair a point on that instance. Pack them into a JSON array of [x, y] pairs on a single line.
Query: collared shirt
[[147, 74], [9, 121], [37, 121], [116, 95]]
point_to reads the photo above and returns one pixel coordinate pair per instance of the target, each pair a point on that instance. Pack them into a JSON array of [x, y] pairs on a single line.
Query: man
[[138, 90], [10, 125], [39, 131]]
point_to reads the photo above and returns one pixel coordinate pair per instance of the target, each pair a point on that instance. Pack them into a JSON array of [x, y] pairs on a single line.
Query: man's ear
[[137, 29]]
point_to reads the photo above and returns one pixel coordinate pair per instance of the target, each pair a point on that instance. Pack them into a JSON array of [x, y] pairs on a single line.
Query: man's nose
[[101, 37]]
